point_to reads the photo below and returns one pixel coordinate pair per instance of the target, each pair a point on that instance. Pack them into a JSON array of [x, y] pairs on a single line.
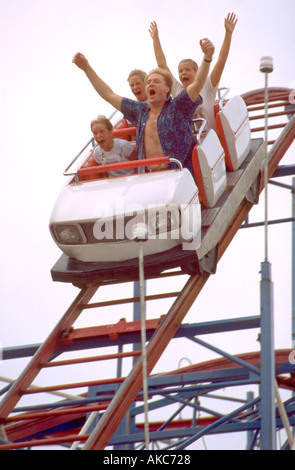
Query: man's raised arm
[[159, 53], [99, 85], [193, 90]]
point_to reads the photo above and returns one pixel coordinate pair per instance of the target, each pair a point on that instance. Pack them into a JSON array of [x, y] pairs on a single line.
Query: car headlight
[[69, 234]]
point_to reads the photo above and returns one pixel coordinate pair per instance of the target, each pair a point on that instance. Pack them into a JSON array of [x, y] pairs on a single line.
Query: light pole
[[267, 386], [140, 234]]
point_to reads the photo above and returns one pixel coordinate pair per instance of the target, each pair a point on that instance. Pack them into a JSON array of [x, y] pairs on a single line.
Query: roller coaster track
[[41, 426]]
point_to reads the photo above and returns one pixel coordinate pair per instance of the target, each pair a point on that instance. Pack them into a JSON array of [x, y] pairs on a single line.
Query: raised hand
[[154, 30], [207, 47], [230, 22], [81, 61]]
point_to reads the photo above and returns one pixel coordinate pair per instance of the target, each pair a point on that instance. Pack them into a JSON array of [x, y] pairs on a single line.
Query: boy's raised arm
[[194, 88], [99, 85]]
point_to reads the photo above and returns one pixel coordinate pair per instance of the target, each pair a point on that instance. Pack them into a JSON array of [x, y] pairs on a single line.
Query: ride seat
[[208, 160], [125, 130], [233, 129]]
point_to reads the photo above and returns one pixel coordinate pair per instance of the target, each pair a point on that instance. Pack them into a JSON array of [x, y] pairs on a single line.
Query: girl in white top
[[187, 70], [110, 150]]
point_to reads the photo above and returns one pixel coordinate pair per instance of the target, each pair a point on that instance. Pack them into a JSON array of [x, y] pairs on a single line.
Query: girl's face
[[186, 74], [103, 137]]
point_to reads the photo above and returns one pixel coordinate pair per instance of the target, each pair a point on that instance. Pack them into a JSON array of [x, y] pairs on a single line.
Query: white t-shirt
[[206, 109], [120, 152]]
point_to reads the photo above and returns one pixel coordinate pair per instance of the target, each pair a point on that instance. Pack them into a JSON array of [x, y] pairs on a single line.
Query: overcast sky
[[46, 106]]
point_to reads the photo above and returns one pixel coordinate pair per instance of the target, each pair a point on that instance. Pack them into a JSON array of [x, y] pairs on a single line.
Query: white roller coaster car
[[100, 218]]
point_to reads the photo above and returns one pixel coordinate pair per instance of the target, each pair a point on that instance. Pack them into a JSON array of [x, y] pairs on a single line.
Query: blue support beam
[[185, 330]]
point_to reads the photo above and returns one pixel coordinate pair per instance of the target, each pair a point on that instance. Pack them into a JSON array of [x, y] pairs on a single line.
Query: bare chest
[[151, 127], [152, 144], [151, 138]]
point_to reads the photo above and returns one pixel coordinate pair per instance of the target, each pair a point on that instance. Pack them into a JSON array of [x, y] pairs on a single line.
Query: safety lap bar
[[127, 165]]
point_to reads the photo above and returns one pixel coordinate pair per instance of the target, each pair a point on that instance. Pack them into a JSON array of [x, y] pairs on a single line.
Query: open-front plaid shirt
[[174, 125]]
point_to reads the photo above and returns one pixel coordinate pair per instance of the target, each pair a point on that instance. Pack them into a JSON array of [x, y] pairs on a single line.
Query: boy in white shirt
[[110, 149]]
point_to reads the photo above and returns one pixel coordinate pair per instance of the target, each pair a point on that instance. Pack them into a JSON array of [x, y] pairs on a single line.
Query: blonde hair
[[102, 120], [191, 62], [165, 74], [139, 73]]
